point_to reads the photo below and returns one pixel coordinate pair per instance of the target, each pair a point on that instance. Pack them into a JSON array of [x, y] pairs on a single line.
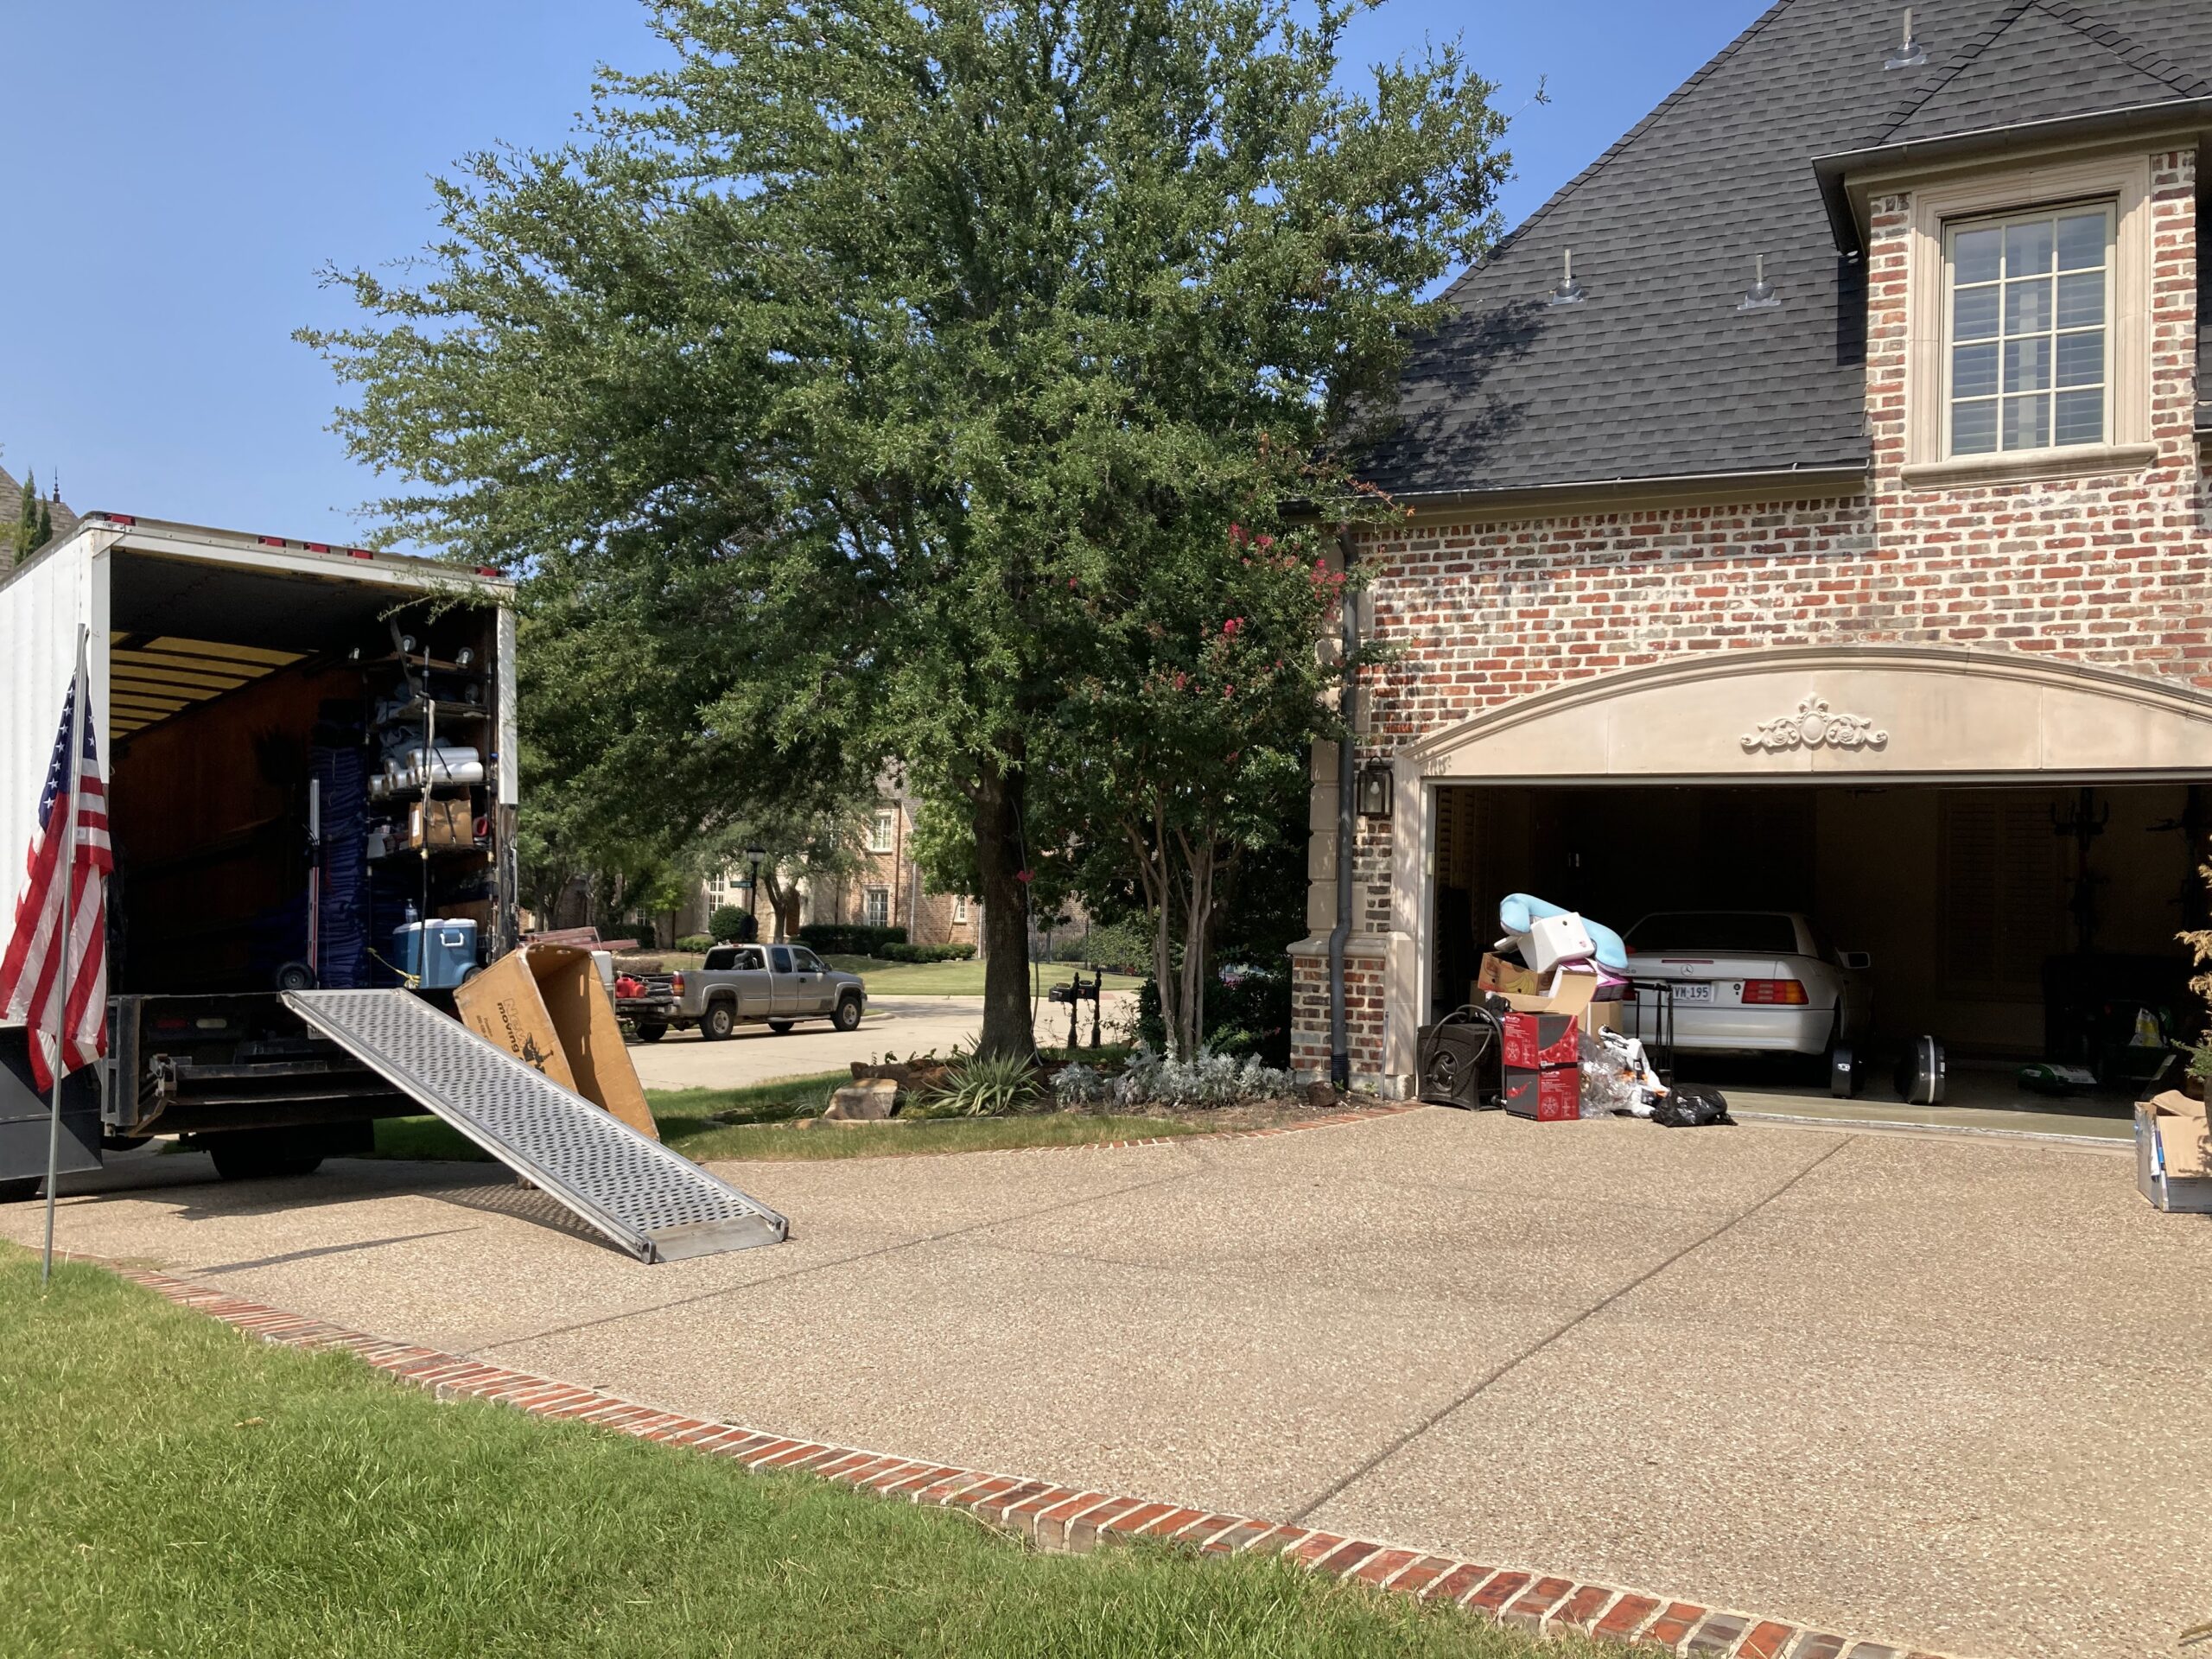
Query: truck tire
[[19, 1191], [721, 1022], [651, 1031], [847, 1017], [779, 1026]]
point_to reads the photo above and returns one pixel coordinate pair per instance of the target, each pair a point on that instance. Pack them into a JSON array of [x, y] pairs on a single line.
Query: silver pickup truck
[[774, 985]]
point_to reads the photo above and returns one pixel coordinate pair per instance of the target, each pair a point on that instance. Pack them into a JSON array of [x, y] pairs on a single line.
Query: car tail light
[[676, 984], [1773, 993]]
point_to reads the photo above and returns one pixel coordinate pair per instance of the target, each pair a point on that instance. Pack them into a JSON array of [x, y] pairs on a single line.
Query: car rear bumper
[[1746, 1030]]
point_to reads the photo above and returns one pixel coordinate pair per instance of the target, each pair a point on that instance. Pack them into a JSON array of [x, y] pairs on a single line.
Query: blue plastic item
[[443, 953], [1521, 909]]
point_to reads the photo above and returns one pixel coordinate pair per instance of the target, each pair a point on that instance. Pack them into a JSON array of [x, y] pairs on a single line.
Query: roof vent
[[1760, 296], [1909, 53], [1569, 292]]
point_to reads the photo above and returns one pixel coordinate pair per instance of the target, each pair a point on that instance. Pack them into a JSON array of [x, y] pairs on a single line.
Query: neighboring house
[[11, 506], [1834, 537]]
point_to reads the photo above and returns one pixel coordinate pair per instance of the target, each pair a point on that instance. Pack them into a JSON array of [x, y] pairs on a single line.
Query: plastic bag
[[1609, 1083]]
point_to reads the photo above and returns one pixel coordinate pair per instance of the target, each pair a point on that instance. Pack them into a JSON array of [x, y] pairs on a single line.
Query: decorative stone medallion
[[1815, 725]]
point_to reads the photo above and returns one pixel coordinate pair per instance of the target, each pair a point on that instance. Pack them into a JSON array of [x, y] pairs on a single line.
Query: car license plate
[[1693, 991]]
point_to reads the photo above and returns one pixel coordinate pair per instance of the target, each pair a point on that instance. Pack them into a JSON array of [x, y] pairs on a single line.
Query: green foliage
[[849, 938], [33, 525], [732, 924], [908, 368], [985, 1085], [696, 943], [893, 950]]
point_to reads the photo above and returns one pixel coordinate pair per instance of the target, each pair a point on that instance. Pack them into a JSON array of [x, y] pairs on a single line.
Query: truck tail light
[[1774, 994], [676, 984]]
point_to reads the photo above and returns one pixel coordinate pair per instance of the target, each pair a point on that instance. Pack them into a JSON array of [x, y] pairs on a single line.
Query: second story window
[[2030, 303], [878, 833]]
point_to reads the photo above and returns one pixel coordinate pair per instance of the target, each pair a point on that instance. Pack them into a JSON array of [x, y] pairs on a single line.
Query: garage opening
[[2019, 925]]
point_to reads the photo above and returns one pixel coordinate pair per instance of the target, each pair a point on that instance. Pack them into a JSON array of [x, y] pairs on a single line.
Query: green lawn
[[755, 1122], [169, 1487], [960, 978]]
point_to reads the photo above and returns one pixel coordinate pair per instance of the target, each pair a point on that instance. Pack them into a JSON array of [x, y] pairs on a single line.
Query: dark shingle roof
[[1658, 374]]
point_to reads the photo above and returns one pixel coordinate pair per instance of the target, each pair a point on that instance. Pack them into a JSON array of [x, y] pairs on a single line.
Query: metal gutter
[[1797, 476], [1831, 171], [1347, 822]]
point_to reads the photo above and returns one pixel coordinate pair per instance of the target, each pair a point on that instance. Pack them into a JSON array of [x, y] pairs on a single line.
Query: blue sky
[[187, 171]]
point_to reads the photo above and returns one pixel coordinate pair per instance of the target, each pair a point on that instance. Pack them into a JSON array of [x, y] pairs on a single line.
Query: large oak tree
[[915, 337]]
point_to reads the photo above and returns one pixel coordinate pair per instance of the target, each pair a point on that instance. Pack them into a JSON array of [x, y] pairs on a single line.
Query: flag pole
[[80, 695]]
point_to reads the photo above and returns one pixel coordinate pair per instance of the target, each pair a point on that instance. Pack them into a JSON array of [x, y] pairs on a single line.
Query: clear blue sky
[[184, 171]]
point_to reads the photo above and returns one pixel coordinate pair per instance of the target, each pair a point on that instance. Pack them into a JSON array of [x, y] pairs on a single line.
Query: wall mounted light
[[1375, 792]]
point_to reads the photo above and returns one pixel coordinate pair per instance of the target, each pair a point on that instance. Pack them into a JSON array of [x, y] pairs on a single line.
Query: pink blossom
[[1025, 876], [1234, 626]]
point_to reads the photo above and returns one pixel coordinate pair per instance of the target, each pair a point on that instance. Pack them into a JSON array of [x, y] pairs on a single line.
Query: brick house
[[11, 505], [887, 889], [1806, 508]]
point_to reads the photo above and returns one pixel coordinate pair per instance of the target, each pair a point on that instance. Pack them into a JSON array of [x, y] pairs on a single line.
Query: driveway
[[902, 1026], [1946, 1392]]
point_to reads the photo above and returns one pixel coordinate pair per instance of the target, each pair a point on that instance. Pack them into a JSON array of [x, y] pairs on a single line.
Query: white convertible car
[[1750, 982]]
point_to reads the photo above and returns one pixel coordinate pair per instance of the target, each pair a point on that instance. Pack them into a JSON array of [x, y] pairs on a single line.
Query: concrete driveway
[[902, 1026], [1949, 1392]]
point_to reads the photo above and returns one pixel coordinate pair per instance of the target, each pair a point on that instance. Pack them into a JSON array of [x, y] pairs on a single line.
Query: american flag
[[63, 1001]]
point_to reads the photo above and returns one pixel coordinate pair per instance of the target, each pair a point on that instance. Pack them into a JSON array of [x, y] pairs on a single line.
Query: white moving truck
[[249, 691]]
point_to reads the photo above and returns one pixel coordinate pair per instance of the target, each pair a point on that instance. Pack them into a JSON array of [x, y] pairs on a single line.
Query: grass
[[756, 1122], [170, 1488], [960, 978]]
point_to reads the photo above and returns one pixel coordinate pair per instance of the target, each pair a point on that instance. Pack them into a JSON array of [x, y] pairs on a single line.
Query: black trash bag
[[1691, 1106]]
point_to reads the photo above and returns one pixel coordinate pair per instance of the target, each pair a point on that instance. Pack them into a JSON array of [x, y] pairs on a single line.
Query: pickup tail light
[[676, 984], [1774, 994]]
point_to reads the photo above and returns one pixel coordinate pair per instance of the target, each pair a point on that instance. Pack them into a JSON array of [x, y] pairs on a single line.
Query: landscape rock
[[870, 1102]]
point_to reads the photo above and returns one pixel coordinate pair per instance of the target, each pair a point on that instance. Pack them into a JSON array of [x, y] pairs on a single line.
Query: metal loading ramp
[[656, 1204]]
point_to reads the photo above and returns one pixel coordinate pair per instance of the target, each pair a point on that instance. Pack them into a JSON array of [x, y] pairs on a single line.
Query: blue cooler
[[442, 953]]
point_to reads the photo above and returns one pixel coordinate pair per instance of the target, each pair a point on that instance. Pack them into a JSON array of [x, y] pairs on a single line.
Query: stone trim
[[1066, 1519]]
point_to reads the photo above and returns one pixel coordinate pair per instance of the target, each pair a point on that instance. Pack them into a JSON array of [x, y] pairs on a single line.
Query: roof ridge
[[1613, 150], [1918, 96], [2083, 21]]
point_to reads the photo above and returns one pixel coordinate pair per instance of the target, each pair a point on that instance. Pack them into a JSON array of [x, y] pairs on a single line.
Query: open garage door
[[2020, 923]]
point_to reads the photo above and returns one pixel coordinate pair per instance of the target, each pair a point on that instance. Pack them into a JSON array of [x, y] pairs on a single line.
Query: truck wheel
[[19, 1191], [779, 1026], [848, 1016], [651, 1031], [721, 1021]]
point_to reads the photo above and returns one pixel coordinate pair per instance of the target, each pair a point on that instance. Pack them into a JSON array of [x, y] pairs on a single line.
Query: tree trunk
[[1006, 915]]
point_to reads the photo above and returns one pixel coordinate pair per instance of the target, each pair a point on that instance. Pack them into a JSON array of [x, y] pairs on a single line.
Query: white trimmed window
[[960, 909], [2029, 312], [876, 906], [879, 832]]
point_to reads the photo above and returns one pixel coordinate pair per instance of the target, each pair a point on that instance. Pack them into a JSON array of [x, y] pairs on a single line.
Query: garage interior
[[2015, 924]]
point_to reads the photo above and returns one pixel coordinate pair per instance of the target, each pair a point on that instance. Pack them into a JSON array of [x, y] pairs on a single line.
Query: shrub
[[978, 1086], [694, 942], [895, 952], [1248, 1012], [849, 938], [1205, 1079], [1078, 1084], [733, 924]]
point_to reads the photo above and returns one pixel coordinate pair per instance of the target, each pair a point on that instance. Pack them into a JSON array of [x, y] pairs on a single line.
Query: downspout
[[1348, 705]]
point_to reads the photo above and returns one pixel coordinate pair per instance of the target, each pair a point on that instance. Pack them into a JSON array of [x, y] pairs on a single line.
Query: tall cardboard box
[[2173, 1154], [545, 1005]]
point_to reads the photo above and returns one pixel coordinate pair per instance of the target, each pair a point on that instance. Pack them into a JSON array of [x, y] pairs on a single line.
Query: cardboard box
[[452, 824], [2173, 1154], [1574, 997], [1498, 975], [545, 1005], [1533, 1041], [1551, 1094]]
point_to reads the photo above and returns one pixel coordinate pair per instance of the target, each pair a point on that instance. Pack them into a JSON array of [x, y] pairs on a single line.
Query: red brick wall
[[2114, 570]]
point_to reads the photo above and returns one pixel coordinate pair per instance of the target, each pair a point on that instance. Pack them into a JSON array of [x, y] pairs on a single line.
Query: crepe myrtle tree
[[924, 325]]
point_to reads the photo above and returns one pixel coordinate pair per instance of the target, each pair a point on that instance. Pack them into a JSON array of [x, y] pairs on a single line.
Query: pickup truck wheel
[[651, 1033], [779, 1026], [721, 1021], [848, 1016], [22, 1191]]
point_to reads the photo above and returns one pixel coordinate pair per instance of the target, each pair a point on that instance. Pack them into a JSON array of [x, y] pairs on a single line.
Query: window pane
[[2027, 423], [2081, 299], [2082, 359], [1976, 255], [1974, 371], [2027, 365], [2027, 308], [1973, 312], [2081, 417], [2080, 241], [2027, 249], [1974, 428]]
